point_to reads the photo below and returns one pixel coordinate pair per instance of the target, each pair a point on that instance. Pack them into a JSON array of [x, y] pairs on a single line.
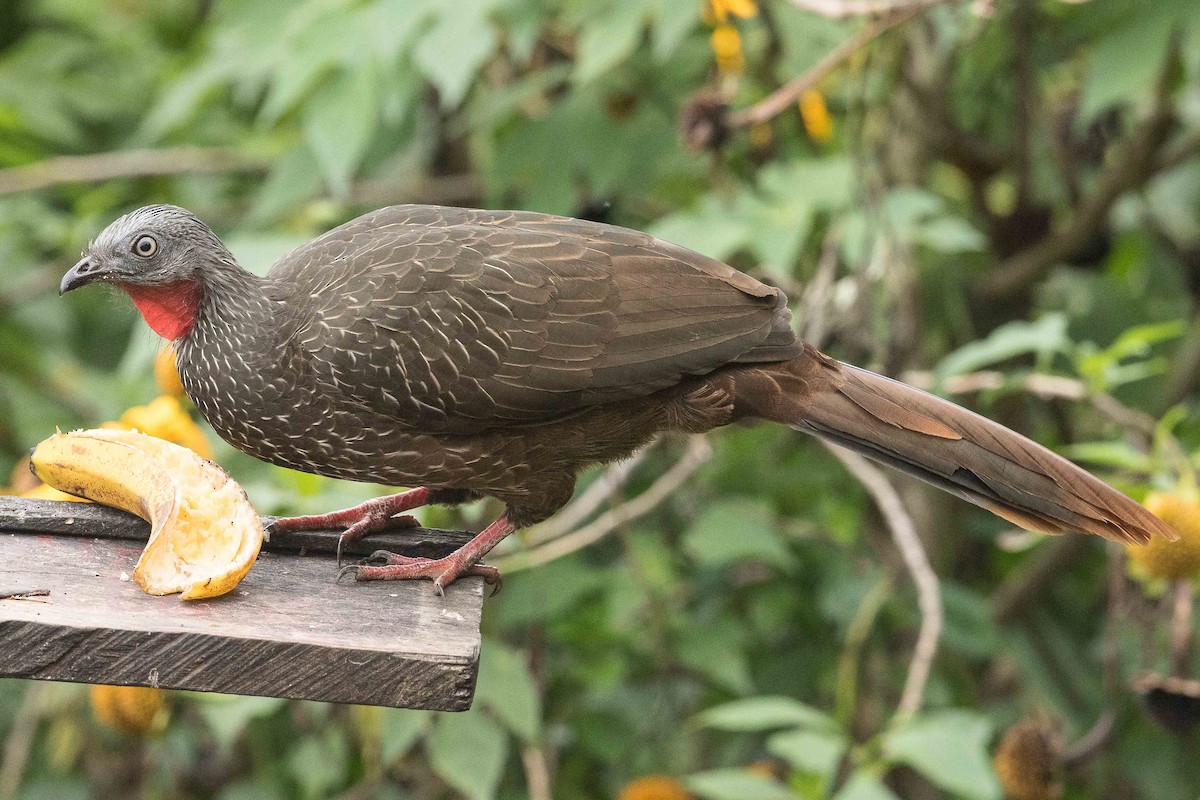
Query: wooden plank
[[288, 630]]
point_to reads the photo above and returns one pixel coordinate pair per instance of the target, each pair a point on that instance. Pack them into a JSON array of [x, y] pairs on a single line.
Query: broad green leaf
[[228, 715], [608, 39], [814, 752], [765, 713], [736, 784], [1120, 455], [506, 687], [453, 50], [950, 749], [737, 530], [468, 751], [711, 228], [715, 650], [339, 121], [1124, 65], [399, 730], [1044, 338], [865, 787], [318, 764]]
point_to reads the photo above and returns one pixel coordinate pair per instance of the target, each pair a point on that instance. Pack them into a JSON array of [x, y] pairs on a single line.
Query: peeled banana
[[204, 534]]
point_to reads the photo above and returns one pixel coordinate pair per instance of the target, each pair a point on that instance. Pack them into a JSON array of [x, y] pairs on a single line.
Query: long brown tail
[[955, 450]]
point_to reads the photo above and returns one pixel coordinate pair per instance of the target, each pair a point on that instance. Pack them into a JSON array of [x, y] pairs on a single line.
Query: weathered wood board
[[288, 630]]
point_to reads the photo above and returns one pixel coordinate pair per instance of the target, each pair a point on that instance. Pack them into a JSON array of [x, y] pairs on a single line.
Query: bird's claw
[[386, 566]]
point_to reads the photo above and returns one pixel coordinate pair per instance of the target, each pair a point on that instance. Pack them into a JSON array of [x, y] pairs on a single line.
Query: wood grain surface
[[288, 630]]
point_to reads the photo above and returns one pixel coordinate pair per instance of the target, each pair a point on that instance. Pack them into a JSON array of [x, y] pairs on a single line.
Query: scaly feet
[[385, 566], [377, 514]]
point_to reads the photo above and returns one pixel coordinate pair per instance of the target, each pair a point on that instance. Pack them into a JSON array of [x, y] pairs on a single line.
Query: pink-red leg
[[442, 571], [376, 514]]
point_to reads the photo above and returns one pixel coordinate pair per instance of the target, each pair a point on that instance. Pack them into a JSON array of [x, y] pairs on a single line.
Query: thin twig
[[537, 773], [841, 9], [697, 453], [782, 98], [904, 534], [1090, 743], [846, 689], [1181, 628], [579, 509], [21, 594], [126, 164]]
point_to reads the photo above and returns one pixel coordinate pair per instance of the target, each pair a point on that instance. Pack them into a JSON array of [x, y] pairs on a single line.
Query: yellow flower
[[1028, 760], [654, 787], [165, 418], [1171, 560], [128, 709], [719, 11], [727, 46], [815, 114], [166, 374]]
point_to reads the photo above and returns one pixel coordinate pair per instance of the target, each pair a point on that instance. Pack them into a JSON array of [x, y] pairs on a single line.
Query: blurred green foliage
[[1011, 192]]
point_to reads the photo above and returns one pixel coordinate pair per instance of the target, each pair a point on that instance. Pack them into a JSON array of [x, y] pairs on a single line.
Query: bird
[[477, 353]]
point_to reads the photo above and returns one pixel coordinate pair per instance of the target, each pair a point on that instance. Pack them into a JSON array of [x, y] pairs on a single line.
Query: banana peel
[[204, 534]]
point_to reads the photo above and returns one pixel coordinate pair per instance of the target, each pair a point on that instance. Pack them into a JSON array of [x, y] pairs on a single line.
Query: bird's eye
[[145, 246]]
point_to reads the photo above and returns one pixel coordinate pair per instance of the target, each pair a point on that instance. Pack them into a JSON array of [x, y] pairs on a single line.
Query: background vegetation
[[997, 199]]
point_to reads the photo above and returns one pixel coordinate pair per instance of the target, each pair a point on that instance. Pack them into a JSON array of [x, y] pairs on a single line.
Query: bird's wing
[[454, 320]]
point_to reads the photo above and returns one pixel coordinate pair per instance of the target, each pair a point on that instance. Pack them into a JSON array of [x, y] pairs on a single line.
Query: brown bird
[[499, 353]]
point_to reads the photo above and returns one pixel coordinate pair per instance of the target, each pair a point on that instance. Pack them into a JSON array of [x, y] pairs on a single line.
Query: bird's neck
[[170, 309]]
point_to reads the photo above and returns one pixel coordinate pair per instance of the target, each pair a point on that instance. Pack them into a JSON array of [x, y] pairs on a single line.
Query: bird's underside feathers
[[454, 320]]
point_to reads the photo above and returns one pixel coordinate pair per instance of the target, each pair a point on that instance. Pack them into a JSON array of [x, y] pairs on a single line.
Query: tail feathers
[[969, 456]]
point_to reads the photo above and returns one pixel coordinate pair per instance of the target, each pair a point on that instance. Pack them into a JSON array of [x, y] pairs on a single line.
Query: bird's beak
[[86, 271]]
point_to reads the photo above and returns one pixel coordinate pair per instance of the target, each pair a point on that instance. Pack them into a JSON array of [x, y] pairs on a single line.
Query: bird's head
[[157, 255]]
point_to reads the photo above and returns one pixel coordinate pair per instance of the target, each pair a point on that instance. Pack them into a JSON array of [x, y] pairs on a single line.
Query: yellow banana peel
[[204, 534]]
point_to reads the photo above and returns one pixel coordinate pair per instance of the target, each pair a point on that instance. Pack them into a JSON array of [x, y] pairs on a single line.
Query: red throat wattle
[[169, 309]]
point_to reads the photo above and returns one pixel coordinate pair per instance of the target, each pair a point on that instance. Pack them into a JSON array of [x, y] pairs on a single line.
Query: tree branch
[[929, 600], [1134, 161], [126, 164], [698, 452], [841, 9], [785, 96]]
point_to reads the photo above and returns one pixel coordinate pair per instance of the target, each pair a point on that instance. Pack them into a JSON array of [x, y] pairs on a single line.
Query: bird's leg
[[442, 571], [376, 514]]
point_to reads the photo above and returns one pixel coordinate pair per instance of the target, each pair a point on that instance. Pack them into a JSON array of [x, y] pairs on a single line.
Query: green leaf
[[765, 713], [454, 49], [399, 730], [1125, 64], [711, 228], [865, 787], [1120, 455], [950, 749], [1044, 338], [735, 784], [813, 752], [507, 689], [715, 649], [609, 39], [737, 530], [318, 763], [468, 751], [228, 715], [339, 122]]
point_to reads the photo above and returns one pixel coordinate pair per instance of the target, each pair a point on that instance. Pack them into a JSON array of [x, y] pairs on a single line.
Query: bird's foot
[[384, 566], [442, 571], [377, 514]]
